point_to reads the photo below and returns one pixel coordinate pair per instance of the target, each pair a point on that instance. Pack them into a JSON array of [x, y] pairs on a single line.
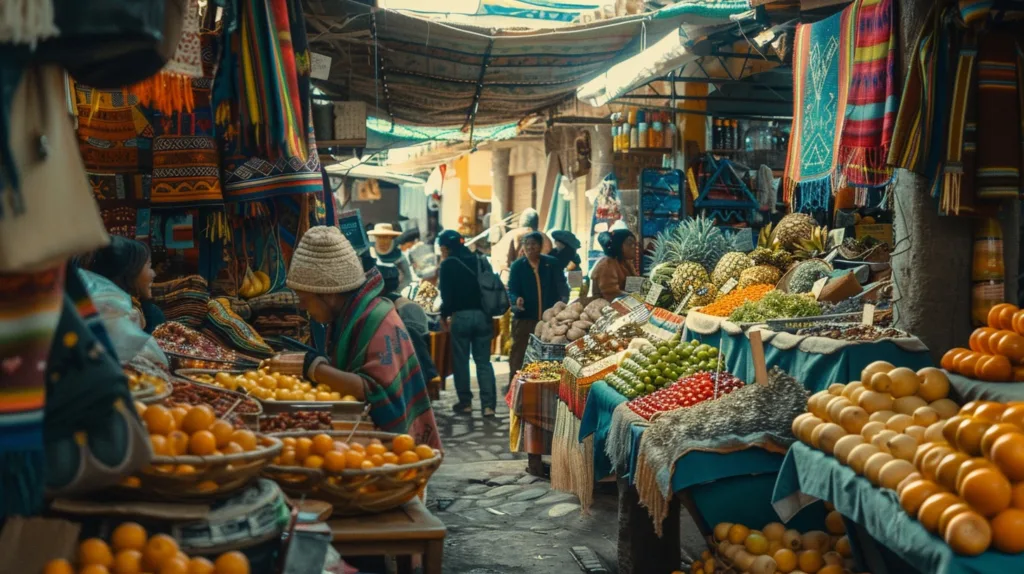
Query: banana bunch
[[254, 284], [814, 246]]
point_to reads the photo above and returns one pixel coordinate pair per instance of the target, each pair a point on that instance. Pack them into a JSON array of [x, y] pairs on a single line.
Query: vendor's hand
[[286, 364], [520, 302]]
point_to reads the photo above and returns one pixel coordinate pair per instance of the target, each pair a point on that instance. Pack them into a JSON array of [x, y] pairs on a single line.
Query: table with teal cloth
[[816, 371], [713, 478], [963, 390], [880, 518]]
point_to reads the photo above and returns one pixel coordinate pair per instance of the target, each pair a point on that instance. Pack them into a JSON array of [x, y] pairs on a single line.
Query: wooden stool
[[404, 532]]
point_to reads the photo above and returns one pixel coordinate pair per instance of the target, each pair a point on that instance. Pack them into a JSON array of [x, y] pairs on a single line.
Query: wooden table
[[404, 532]]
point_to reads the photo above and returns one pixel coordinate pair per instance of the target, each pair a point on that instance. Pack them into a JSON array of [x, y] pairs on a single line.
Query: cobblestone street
[[501, 519]]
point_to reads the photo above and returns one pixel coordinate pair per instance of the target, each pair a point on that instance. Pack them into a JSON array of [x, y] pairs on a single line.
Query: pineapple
[[759, 275], [695, 239], [763, 256], [730, 267], [702, 295], [782, 259], [687, 275], [814, 246], [793, 228]]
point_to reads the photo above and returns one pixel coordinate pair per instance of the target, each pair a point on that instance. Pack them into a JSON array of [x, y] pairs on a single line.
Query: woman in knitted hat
[[127, 264], [609, 274], [369, 352], [471, 329]]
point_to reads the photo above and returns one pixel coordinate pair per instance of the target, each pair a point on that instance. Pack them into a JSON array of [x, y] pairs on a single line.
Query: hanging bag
[[494, 300], [108, 44]]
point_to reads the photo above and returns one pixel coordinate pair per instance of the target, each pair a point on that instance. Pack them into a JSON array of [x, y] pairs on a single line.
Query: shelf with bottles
[[643, 131], [751, 142]]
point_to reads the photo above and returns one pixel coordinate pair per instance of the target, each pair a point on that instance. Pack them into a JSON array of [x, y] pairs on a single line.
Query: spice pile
[[776, 305], [853, 332], [220, 401], [302, 420], [181, 340], [685, 393], [728, 303], [542, 371]]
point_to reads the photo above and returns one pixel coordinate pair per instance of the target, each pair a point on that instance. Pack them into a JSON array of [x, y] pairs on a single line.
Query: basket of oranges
[[198, 456], [131, 549], [276, 392], [358, 472]]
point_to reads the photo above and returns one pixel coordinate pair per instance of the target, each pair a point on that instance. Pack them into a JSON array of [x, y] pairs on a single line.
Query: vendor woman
[[370, 353], [609, 274], [127, 264]]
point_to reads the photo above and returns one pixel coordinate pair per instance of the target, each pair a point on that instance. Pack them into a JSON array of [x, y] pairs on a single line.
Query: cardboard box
[[880, 231]]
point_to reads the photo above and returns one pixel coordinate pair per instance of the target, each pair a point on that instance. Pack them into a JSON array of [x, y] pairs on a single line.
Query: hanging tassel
[[27, 21], [166, 93]]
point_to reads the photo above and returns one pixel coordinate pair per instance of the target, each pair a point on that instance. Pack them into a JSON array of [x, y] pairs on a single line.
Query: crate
[[538, 350], [795, 324]]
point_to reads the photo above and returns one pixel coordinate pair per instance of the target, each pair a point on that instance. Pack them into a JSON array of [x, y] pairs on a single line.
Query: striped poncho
[[370, 340]]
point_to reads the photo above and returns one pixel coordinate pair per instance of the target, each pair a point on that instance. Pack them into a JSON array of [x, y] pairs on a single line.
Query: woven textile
[[227, 326], [183, 300], [533, 405], [262, 102], [171, 89], [872, 99], [30, 307], [821, 71], [975, 12], [1000, 86]]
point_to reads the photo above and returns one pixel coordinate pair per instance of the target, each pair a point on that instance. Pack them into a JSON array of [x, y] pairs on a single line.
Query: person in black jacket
[[535, 283], [470, 328]]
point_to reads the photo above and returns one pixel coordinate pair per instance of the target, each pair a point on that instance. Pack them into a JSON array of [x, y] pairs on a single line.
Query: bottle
[[716, 135], [657, 132], [631, 129], [987, 270], [727, 143], [641, 124], [615, 138]]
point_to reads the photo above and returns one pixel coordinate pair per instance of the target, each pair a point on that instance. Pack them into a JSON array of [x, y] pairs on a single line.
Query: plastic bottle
[[716, 134], [641, 128], [632, 135], [987, 270], [657, 132]]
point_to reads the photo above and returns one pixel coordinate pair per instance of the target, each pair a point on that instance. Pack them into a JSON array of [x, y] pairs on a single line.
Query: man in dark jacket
[[535, 283], [471, 329]]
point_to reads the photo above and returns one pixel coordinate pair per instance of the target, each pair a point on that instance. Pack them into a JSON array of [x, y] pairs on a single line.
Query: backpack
[[493, 297]]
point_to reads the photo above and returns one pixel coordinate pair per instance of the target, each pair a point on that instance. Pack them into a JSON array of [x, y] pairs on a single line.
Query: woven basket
[[215, 477], [179, 361], [355, 491], [223, 402]]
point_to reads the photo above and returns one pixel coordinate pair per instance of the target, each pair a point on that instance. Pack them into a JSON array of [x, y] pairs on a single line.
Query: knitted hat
[[325, 262]]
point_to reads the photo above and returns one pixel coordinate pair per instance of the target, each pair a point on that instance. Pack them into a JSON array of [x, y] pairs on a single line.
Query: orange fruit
[[367, 465], [968, 436], [131, 482], [408, 457], [287, 458], [184, 469], [159, 549], [785, 560], [207, 486], [987, 491], [372, 449], [914, 495], [1017, 495], [376, 459], [424, 452], [233, 562], [222, 431], [357, 447], [202, 443], [160, 445], [288, 441], [158, 420], [810, 560], [354, 459], [374, 441], [1008, 454], [834, 523], [968, 409], [334, 461], [968, 534], [247, 440], [1014, 415], [176, 565], [322, 444], [989, 412], [128, 536], [200, 565], [947, 469], [949, 513], [313, 461], [95, 551], [233, 448], [94, 569], [59, 566], [178, 413], [340, 446], [402, 443], [969, 467], [951, 425], [994, 432], [199, 418], [738, 533], [930, 512], [1008, 531], [390, 458], [177, 443], [303, 448]]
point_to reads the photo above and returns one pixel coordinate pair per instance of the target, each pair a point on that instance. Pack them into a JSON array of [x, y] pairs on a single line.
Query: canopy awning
[[419, 71]]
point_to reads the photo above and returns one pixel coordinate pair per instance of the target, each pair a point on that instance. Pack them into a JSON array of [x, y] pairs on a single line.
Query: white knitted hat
[[325, 262]]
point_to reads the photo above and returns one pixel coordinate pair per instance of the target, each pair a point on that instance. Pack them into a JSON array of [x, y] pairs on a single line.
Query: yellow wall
[[471, 170], [693, 127]]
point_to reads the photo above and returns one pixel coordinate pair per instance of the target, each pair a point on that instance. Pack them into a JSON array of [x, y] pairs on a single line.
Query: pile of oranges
[[323, 451], [268, 386], [132, 551]]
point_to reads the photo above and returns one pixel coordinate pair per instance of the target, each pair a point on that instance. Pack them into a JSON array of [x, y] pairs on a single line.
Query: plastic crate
[[538, 350]]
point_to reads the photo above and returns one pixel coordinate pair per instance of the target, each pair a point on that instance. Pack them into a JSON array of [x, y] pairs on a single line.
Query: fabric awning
[[418, 71]]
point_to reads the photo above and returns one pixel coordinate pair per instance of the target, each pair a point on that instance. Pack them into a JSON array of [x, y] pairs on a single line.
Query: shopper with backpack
[[471, 294]]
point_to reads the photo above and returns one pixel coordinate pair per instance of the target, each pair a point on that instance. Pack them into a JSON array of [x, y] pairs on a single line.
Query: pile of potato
[[563, 323]]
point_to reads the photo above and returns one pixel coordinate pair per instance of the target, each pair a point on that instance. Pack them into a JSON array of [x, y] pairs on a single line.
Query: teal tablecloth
[[815, 371], [878, 513], [964, 390], [597, 420]]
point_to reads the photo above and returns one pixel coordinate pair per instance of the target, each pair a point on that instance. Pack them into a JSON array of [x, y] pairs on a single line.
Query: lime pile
[[655, 366]]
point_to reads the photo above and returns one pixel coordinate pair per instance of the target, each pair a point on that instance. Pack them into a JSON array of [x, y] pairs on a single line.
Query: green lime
[[651, 388]]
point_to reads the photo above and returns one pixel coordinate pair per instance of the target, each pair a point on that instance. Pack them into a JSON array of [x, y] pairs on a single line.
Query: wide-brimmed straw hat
[[385, 229]]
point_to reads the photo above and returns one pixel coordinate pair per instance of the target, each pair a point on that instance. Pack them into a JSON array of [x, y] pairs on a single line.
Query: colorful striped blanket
[[371, 341], [873, 98], [821, 72]]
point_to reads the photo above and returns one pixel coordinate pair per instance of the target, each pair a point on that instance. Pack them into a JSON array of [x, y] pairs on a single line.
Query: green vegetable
[[776, 305]]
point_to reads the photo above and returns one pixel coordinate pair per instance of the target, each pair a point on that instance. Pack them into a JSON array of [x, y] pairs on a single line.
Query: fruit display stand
[[885, 539], [532, 404]]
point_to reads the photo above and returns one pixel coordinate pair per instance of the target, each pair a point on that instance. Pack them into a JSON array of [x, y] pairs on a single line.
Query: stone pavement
[[501, 519]]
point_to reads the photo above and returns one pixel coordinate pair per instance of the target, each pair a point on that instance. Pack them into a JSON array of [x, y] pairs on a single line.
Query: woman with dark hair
[[609, 274], [565, 251], [535, 283], [127, 264], [471, 329]]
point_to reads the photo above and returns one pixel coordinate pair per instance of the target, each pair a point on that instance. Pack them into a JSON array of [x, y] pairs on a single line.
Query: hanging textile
[[872, 99], [821, 70], [560, 209], [261, 98], [999, 111], [170, 90], [186, 159]]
